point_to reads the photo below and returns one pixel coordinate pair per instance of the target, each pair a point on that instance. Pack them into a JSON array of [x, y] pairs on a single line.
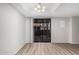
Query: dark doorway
[[42, 30]]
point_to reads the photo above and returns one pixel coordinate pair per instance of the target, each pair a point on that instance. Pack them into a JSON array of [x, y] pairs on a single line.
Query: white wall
[[12, 30], [28, 30], [75, 30], [67, 34], [59, 32], [70, 30]]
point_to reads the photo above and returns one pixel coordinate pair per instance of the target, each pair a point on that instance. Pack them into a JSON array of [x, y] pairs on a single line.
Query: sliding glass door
[[42, 30]]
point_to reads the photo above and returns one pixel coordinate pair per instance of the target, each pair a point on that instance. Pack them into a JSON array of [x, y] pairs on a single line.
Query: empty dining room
[[39, 28]]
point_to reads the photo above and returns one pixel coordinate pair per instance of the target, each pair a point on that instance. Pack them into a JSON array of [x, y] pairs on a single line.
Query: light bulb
[[36, 9], [43, 10], [39, 10], [38, 6], [43, 7]]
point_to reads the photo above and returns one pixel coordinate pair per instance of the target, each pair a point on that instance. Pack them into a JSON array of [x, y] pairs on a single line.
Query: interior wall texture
[[28, 30], [12, 30], [75, 29], [59, 29]]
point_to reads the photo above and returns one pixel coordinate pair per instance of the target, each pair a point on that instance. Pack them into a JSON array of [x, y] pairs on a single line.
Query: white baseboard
[[58, 42], [74, 43]]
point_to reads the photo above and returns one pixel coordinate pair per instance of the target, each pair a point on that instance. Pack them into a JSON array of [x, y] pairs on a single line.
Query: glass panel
[[42, 31]]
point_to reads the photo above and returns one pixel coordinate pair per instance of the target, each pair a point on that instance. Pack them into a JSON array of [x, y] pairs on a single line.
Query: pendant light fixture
[[40, 7]]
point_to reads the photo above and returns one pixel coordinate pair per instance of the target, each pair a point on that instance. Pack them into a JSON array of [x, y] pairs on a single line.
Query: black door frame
[[50, 27]]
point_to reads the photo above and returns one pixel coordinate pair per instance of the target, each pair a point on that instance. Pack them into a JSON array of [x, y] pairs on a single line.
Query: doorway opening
[[42, 29]]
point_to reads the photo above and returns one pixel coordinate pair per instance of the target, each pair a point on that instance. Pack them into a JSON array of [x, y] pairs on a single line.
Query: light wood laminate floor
[[49, 49]]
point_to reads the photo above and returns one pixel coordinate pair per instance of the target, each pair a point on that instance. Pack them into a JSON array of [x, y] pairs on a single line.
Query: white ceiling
[[52, 9]]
